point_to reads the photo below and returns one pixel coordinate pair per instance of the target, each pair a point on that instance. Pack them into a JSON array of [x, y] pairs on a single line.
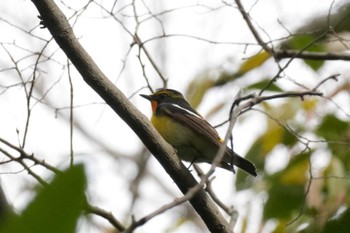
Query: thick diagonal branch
[[62, 32]]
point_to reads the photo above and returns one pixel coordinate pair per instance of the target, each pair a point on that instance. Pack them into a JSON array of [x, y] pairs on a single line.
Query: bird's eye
[[163, 95]]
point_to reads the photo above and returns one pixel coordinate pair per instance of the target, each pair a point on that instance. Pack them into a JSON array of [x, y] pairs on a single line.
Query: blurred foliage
[[264, 84], [320, 34], [339, 224], [339, 132], [286, 189], [201, 84], [308, 43], [299, 196], [56, 208], [337, 20]]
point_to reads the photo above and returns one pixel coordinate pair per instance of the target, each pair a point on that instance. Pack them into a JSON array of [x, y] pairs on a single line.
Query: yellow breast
[[188, 144], [173, 132]]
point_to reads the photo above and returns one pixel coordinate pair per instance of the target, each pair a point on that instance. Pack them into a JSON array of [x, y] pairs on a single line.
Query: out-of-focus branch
[[209, 189], [254, 100], [106, 215], [252, 28], [71, 115], [323, 56], [21, 160], [281, 53], [25, 166], [62, 32], [230, 210], [25, 155], [155, 66]]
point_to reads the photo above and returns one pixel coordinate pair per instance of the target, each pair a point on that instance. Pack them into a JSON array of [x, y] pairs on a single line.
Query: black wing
[[198, 124], [193, 121]]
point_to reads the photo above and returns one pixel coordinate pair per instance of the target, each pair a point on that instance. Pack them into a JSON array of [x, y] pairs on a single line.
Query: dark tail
[[242, 163]]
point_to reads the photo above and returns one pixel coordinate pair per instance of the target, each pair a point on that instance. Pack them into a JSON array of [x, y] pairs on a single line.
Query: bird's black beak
[[149, 97]]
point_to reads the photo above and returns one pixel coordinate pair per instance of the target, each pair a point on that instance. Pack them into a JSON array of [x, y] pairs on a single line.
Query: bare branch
[[25, 155], [302, 207], [309, 55], [155, 66], [209, 189], [106, 215], [254, 100], [252, 28], [333, 77], [25, 166], [71, 114]]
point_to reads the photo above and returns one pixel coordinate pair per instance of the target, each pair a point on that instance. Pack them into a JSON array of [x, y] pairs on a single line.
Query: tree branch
[[281, 53], [106, 215], [309, 55], [60, 29], [252, 28]]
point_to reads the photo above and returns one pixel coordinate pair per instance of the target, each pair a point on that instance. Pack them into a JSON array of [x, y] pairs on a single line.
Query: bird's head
[[164, 96]]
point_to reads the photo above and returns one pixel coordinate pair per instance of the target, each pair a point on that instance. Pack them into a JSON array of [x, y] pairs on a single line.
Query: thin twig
[[281, 53], [310, 55], [25, 166], [153, 63], [144, 71], [258, 99], [302, 207], [252, 28], [333, 77], [25, 155], [210, 191], [138, 41], [106, 215], [71, 114]]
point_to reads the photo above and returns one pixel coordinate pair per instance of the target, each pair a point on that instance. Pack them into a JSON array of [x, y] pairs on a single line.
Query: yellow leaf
[[309, 104], [272, 137], [281, 226], [197, 89], [296, 174], [254, 62]]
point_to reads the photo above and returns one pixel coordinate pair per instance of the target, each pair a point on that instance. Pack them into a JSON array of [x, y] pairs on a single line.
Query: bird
[[193, 138]]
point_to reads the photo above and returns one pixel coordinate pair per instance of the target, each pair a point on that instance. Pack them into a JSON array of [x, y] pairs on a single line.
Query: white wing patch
[[188, 111]]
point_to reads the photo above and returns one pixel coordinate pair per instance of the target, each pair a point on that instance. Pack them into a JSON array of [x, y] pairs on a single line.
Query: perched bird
[[193, 138]]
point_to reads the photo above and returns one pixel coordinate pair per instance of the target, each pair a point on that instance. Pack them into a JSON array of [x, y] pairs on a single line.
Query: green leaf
[[307, 43], [335, 130], [56, 208], [248, 65], [263, 84], [253, 62], [283, 201], [332, 128], [286, 193]]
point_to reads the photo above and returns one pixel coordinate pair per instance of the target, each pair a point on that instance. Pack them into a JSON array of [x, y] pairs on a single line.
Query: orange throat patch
[[154, 105]]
